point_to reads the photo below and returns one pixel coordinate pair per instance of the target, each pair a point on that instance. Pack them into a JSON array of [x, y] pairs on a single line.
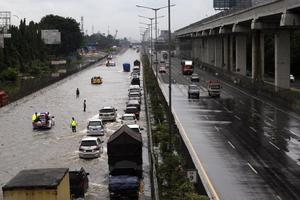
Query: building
[[39, 184]]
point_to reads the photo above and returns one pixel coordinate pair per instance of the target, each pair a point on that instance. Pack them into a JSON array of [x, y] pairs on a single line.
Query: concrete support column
[[282, 59], [211, 48], [218, 52], [241, 54], [206, 50], [232, 61], [256, 56], [262, 52], [226, 52]]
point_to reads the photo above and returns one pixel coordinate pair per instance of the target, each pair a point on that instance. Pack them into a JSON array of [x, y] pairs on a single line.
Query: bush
[[9, 74]]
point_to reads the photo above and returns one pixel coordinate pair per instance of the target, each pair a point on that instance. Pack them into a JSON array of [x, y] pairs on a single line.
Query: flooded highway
[[248, 146], [21, 147]]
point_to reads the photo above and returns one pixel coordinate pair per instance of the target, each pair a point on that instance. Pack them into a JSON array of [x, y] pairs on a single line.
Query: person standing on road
[[73, 124], [84, 105], [77, 92]]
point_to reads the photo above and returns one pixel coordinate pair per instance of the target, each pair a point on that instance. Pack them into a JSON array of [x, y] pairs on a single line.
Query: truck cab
[[214, 88], [187, 67]]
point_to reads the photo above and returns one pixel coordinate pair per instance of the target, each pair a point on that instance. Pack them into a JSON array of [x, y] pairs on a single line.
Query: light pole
[[155, 10], [170, 71]]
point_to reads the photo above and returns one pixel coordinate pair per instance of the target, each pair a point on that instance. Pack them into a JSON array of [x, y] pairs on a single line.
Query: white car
[[135, 88], [162, 70], [128, 118], [135, 127], [108, 114], [95, 127], [292, 78], [110, 63], [90, 147]]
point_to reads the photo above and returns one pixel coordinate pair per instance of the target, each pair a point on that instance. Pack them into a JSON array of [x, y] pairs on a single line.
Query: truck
[[214, 88], [187, 67], [126, 67], [3, 98], [124, 149], [79, 183]]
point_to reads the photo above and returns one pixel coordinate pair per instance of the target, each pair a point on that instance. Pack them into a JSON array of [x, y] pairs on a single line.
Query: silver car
[[108, 114], [90, 147], [95, 127], [128, 118]]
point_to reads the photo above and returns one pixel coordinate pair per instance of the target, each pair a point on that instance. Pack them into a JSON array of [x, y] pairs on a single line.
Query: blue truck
[[126, 67]]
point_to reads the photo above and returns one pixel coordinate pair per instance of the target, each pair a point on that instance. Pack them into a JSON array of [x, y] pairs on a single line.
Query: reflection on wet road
[[23, 148], [249, 147]]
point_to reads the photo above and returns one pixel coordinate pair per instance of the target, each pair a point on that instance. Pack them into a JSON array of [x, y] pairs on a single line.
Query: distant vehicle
[[126, 67], [96, 80], [195, 78], [164, 54], [133, 110], [95, 127], [110, 63], [137, 63], [79, 183], [3, 98], [193, 91], [136, 70], [135, 127], [123, 186], [134, 96], [90, 147], [43, 121], [109, 57], [108, 113], [135, 80], [187, 67], [292, 78], [214, 88], [128, 118], [135, 88], [162, 70]]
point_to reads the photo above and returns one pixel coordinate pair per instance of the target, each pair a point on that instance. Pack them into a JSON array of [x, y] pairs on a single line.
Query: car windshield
[[215, 86], [88, 143], [128, 118], [106, 110], [95, 123]]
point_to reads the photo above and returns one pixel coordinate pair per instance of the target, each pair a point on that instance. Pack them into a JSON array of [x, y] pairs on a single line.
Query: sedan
[[90, 147]]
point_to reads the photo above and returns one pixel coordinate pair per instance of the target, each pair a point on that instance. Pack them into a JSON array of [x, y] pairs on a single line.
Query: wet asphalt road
[[23, 148], [250, 148]]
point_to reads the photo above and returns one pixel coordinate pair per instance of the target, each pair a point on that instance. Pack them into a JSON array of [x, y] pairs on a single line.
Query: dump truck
[[124, 149], [214, 88], [187, 67], [126, 67]]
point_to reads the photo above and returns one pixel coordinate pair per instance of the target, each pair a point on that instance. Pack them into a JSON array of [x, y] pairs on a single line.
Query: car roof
[[95, 120], [128, 114], [131, 107], [134, 86], [133, 126], [88, 138], [108, 107], [132, 101]]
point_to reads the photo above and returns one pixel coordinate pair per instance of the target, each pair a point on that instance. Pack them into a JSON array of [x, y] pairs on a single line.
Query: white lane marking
[[231, 145], [237, 117], [278, 197], [206, 117], [253, 129], [252, 168], [274, 145], [290, 131], [269, 124], [217, 128], [269, 118], [298, 163], [241, 102], [227, 110]]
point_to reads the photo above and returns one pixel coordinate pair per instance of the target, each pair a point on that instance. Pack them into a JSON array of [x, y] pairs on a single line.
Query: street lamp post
[[170, 71], [155, 10]]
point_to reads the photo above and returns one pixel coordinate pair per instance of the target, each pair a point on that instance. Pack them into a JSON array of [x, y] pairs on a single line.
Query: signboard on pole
[[51, 36], [1, 41], [192, 175]]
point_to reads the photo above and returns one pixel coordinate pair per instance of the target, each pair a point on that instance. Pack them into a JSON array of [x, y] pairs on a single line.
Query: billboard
[[228, 4], [51, 36]]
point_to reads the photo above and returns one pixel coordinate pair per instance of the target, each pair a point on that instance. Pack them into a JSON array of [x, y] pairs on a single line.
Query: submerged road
[[249, 148], [23, 148]]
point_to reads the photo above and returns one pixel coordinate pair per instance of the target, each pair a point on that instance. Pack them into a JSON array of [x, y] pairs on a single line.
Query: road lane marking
[[278, 197], [252, 168], [269, 118], [290, 131], [274, 145], [253, 129], [298, 163], [269, 124], [227, 110], [198, 163], [217, 128], [231, 145], [241, 102], [237, 117]]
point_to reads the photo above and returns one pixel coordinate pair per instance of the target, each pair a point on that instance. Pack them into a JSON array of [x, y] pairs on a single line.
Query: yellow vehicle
[[96, 80]]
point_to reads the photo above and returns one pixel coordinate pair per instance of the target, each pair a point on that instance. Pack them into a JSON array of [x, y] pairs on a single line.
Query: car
[[128, 118], [90, 147], [108, 113], [135, 80], [136, 69], [135, 103], [134, 96], [95, 127], [162, 70], [79, 182], [195, 77], [96, 80], [135, 88], [292, 78], [135, 127], [193, 91], [133, 110], [110, 63], [44, 120]]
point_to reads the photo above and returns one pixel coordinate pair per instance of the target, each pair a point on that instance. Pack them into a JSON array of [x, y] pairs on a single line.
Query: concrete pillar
[[282, 59], [241, 54], [231, 61], [206, 50], [226, 52], [218, 52], [256, 56], [211, 50], [262, 52]]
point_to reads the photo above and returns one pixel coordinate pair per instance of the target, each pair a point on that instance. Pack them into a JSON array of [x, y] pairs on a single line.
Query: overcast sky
[[121, 15]]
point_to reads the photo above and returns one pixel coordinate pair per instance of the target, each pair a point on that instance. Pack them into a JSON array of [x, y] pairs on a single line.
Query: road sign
[[7, 35], [52, 36], [1, 41], [192, 175]]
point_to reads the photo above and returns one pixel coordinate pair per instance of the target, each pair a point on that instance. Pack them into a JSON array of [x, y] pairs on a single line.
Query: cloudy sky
[[121, 15]]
